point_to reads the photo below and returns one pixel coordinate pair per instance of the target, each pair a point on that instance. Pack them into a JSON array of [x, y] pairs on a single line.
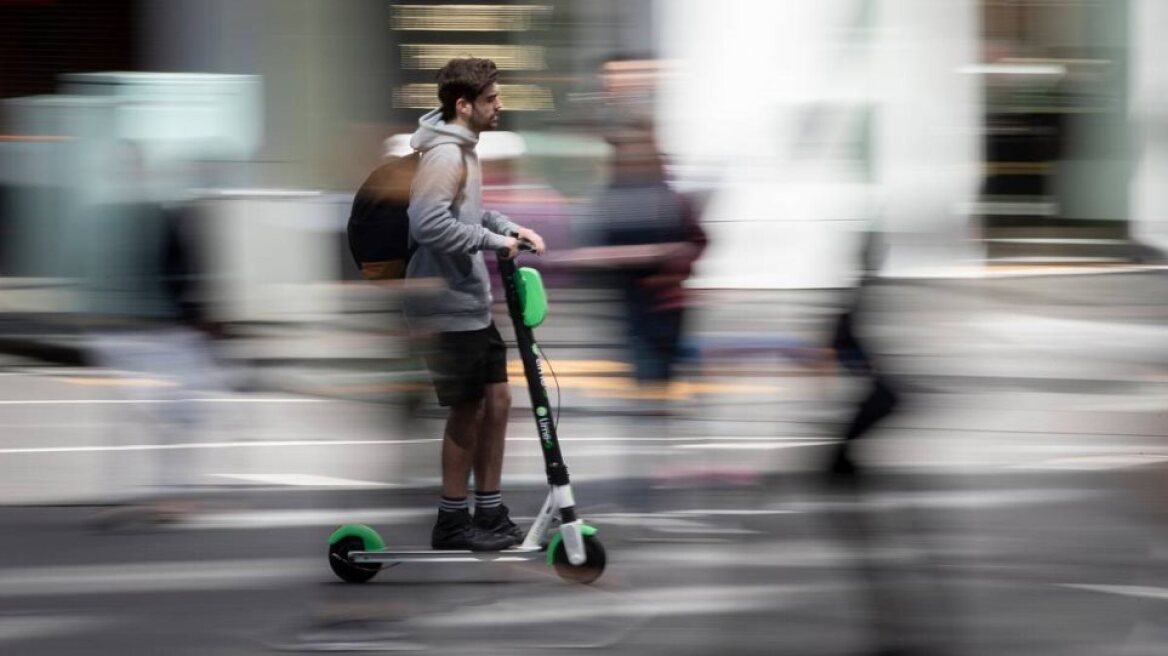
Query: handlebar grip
[[524, 246]]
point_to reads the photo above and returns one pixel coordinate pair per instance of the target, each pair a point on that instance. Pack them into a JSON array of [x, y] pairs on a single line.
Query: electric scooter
[[357, 553]]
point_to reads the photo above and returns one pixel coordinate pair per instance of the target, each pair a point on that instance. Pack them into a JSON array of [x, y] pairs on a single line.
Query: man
[[468, 360]]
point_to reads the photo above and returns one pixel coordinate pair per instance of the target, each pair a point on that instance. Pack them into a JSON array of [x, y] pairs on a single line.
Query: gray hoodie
[[451, 229]]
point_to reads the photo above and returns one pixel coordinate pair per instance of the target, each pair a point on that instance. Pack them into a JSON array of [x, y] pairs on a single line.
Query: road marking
[[950, 499], [733, 513], [256, 444], [575, 367], [680, 521], [1143, 591], [753, 446], [608, 386], [269, 519], [1095, 463], [31, 627], [253, 444], [170, 576], [118, 382], [155, 401], [663, 522], [594, 603], [304, 480]]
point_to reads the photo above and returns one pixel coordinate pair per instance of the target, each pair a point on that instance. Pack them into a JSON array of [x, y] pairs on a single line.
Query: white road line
[[1095, 463], [333, 517], [1144, 591], [732, 512], [244, 444], [171, 576], [157, 401], [304, 480], [950, 500], [663, 522], [15, 629], [752, 446], [599, 604], [255, 444], [679, 521]]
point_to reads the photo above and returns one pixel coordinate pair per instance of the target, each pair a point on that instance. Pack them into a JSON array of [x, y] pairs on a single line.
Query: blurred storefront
[[1013, 131], [1058, 139]]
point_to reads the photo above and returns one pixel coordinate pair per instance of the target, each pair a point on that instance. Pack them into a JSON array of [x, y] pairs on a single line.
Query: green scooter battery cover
[[532, 297]]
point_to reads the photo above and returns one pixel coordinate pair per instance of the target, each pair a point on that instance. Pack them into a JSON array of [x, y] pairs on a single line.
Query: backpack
[[379, 222]]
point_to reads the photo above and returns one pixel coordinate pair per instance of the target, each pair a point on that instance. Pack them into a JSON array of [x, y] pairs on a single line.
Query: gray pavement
[[1018, 506]]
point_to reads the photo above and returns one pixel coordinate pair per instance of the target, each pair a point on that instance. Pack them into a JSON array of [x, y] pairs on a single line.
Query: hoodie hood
[[433, 131]]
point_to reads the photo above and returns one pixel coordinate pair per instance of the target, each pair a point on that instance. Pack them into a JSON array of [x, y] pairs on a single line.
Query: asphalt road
[[1015, 503]]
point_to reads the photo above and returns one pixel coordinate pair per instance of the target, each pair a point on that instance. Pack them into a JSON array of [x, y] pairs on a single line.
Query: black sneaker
[[455, 530], [498, 521]]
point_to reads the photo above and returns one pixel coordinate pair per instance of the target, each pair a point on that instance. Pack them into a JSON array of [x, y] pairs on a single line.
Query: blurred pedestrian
[[879, 398], [910, 611], [147, 317], [646, 234], [639, 238]]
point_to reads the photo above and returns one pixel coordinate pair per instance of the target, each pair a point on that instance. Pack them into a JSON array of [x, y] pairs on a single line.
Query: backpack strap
[[462, 180], [465, 174]]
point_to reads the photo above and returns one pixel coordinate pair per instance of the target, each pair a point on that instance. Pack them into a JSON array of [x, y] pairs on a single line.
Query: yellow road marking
[[620, 387], [575, 367]]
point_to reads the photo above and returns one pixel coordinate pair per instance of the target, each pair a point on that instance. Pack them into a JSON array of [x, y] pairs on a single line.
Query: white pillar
[[929, 136], [818, 118], [1149, 119]]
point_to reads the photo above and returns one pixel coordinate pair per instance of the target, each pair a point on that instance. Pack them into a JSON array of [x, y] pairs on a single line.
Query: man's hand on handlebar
[[510, 250], [533, 240], [524, 239]]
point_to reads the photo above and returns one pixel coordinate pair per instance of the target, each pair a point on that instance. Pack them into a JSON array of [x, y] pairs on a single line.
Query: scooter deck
[[513, 555]]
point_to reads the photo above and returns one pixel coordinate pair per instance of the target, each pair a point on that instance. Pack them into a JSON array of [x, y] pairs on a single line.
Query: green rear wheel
[[346, 569]]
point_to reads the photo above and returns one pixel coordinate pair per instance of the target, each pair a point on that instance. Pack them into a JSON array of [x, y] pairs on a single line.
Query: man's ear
[[462, 107]]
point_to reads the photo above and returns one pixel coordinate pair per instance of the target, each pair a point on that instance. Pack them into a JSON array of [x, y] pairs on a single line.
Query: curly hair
[[464, 77]]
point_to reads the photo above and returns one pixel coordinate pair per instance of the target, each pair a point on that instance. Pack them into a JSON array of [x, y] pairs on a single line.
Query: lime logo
[[541, 411], [535, 349]]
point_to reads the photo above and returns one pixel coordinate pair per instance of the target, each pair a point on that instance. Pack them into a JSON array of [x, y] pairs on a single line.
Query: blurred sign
[[181, 115]]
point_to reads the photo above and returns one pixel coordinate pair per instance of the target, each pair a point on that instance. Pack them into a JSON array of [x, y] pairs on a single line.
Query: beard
[[481, 123]]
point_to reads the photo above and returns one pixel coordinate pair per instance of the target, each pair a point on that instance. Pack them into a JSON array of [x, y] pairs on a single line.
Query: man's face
[[485, 110]]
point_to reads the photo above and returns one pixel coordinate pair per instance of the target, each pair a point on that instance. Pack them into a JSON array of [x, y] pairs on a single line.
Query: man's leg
[[488, 460], [459, 442], [458, 381], [454, 528], [490, 513]]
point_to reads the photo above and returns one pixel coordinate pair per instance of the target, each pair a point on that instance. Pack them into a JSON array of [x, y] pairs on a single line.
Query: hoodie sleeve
[[431, 222], [498, 223]]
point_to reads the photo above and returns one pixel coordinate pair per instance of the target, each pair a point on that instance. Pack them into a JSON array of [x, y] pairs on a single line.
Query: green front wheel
[[589, 571]]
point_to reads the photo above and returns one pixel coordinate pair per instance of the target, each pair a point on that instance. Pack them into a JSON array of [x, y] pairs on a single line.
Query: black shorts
[[463, 363]]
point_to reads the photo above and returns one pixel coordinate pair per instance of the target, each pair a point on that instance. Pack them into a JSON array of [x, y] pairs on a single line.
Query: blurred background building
[[1000, 131]]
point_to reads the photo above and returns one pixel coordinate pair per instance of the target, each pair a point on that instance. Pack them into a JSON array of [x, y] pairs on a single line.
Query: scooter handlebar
[[524, 246]]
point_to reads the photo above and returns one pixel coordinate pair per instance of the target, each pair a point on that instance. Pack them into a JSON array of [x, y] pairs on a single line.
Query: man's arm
[[498, 223], [436, 185]]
